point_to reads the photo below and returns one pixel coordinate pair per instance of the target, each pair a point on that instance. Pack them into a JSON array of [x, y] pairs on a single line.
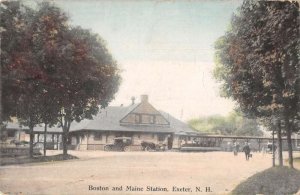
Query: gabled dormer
[[144, 114]]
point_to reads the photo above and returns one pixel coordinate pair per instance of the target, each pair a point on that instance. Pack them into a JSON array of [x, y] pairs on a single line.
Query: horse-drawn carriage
[[150, 146], [125, 144]]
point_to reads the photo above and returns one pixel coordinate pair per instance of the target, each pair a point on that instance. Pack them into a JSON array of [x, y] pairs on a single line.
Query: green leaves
[[53, 73], [257, 59], [232, 124]]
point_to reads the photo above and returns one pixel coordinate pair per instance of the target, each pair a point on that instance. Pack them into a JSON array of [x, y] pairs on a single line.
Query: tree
[[232, 124], [19, 69], [79, 68], [14, 41], [89, 78], [53, 72], [48, 30], [258, 61], [80, 71]]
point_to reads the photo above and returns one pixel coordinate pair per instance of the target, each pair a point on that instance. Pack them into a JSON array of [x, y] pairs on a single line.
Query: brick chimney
[[144, 98]]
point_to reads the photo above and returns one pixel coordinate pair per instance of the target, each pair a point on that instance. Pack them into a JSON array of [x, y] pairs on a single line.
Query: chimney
[[144, 98], [132, 99]]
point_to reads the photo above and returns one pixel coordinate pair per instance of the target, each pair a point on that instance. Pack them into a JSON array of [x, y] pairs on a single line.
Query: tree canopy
[[53, 73], [258, 61], [232, 124], [258, 58]]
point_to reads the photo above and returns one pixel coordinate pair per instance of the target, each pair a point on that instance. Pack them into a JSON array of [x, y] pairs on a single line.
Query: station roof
[[108, 119]]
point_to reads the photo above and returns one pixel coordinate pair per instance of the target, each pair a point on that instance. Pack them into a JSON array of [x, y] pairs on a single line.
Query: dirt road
[[134, 173]]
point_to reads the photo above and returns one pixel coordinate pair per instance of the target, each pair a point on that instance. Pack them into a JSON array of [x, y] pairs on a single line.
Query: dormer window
[[148, 119], [144, 114]]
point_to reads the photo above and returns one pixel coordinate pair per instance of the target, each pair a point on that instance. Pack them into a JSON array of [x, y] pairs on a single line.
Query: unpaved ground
[[218, 171]]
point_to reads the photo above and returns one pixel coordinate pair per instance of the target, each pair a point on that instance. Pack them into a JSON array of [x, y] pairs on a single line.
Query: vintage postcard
[[154, 97]]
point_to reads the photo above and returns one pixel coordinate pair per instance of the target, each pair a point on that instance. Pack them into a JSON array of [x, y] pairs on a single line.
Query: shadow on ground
[[25, 160]]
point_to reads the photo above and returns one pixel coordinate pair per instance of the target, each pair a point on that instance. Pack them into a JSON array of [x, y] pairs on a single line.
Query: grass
[[273, 181], [35, 159]]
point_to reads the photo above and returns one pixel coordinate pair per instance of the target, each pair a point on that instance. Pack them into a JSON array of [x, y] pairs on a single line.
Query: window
[[98, 136], [147, 119]]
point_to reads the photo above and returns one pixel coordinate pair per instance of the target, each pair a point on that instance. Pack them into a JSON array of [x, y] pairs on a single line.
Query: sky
[[164, 48]]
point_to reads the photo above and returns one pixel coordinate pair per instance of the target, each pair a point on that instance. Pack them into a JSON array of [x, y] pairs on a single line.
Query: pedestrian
[[247, 150], [236, 148]]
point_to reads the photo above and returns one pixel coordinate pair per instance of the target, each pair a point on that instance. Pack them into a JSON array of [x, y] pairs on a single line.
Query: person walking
[[247, 150], [236, 148]]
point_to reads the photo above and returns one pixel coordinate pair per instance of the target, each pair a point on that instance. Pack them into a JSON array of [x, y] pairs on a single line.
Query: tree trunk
[[289, 141], [31, 137], [0, 99], [65, 135], [1, 123], [273, 152], [65, 144], [279, 139], [45, 139]]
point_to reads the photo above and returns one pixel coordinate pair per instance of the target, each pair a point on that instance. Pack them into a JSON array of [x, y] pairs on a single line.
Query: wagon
[[148, 146]]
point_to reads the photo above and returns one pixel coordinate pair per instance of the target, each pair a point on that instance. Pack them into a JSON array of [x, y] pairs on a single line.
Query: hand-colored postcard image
[[149, 97]]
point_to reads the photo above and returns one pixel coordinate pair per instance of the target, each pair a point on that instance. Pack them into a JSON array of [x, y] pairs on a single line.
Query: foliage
[[15, 59], [232, 124], [53, 73], [258, 61], [89, 77]]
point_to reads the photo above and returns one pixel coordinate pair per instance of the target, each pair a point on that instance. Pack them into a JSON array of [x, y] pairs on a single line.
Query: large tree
[[19, 69], [59, 73], [15, 58], [89, 78], [79, 68], [258, 60]]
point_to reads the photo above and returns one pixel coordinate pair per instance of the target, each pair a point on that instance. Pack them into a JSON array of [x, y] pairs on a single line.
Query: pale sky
[[165, 49]]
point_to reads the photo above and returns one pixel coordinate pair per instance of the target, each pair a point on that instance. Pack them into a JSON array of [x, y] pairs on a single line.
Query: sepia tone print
[[149, 97]]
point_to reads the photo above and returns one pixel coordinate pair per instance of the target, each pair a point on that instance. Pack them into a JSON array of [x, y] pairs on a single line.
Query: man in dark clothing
[[246, 149]]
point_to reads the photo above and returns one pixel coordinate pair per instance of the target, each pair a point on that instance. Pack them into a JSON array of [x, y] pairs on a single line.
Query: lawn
[[273, 181]]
